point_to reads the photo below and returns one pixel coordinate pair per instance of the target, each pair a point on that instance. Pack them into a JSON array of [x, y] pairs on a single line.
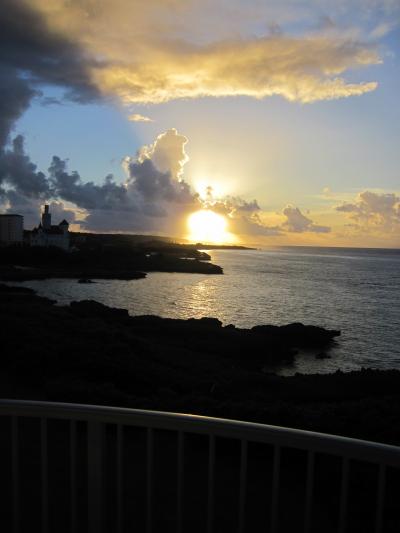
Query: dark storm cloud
[[31, 55], [15, 96], [17, 170], [59, 212], [106, 220], [28, 45], [13, 202], [147, 194], [144, 192], [70, 187], [155, 185]]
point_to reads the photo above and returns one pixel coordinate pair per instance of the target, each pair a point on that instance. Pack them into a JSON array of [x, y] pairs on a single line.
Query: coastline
[[90, 353], [102, 260]]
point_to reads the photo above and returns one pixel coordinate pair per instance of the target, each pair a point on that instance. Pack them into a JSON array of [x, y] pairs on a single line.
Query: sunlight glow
[[204, 188], [208, 227]]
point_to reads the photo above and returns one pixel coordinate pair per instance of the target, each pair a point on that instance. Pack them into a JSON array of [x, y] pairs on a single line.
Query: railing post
[[343, 495], [242, 485], [15, 472], [309, 492], [95, 420], [380, 498], [44, 460], [72, 467], [181, 481], [149, 488], [120, 484], [211, 481], [95, 441], [275, 488]]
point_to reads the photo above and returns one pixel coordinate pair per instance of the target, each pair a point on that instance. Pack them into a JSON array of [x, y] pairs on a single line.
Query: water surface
[[356, 291]]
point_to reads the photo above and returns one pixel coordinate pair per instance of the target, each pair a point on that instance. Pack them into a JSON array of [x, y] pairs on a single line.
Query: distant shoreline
[[304, 247], [200, 246]]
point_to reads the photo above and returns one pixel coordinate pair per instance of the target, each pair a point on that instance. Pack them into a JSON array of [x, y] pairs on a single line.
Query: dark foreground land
[[90, 353], [109, 258]]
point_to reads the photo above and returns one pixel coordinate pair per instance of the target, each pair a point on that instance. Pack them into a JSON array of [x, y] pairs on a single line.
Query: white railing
[[96, 418]]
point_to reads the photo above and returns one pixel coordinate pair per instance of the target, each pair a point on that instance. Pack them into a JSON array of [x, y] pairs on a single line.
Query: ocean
[[354, 290]]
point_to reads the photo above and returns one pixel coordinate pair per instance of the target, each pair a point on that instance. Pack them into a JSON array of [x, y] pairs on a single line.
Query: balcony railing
[[69, 467]]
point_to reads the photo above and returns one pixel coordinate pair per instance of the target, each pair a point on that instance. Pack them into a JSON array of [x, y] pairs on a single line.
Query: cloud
[[327, 193], [238, 205], [30, 45], [374, 211], [167, 153], [153, 193], [154, 52], [154, 197], [15, 96], [103, 50], [156, 172], [14, 202], [87, 195], [97, 50], [154, 179], [158, 52], [31, 54], [243, 216], [136, 117], [382, 29], [253, 226], [298, 69], [18, 172], [296, 222], [31, 208], [59, 211]]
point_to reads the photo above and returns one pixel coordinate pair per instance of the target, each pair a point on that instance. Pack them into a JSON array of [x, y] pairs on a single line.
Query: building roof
[[53, 230], [64, 223], [10, 215]]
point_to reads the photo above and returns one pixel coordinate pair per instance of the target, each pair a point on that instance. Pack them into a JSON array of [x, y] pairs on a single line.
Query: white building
[[11, 229], [48, 235]]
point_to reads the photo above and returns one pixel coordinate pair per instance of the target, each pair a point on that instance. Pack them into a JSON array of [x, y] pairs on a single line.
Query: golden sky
[[279, 119]]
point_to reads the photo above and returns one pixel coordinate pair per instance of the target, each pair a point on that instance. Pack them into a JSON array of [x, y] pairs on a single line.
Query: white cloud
[[382, 29], [136, 117], [155, 52]]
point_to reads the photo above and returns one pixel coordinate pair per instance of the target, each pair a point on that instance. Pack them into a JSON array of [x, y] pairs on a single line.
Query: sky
[[282, 117]]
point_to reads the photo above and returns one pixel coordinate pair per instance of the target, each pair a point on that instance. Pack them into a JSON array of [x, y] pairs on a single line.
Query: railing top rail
[[276, 435]]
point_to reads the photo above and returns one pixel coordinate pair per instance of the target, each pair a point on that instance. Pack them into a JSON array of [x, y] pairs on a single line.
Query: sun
[[208, 227]]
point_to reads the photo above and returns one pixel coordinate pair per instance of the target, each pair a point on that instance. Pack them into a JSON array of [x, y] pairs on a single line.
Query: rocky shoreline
[[90, 353], [106, 261]]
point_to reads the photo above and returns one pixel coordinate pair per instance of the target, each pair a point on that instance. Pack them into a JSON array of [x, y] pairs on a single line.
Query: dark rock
[[322, 355], [92, 309], [90, 353], [205, 322], [7, 289], [298, 335]]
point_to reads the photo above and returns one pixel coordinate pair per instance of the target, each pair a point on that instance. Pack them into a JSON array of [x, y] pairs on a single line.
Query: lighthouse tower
[[47, 235], [46, 218]]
